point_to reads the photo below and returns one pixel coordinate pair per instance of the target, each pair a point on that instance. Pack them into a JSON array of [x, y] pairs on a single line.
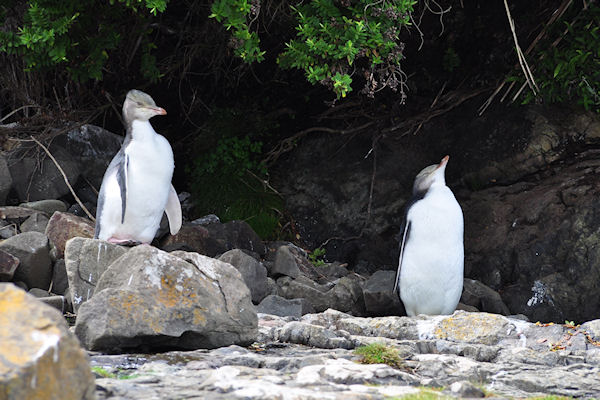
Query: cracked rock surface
[[312, 358]]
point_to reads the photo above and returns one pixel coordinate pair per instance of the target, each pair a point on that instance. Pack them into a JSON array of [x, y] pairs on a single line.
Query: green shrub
[[568, 71], [334, 41], [77, 35], [228, 177]]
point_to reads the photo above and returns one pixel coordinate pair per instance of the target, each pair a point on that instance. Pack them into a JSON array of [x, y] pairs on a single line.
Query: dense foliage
[[568, 66], [335, 40], [77, 34]]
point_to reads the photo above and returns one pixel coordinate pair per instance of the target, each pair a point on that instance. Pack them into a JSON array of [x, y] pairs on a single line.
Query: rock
[[277, 305], [92, 147], [215, 239], [194, 238], [5, 180], [7, 229], [35, 223], [58, 302], [380, 299], [524, 362], [35, 266], [253, 273], [482, 297], [8, 265], [39, 357], [593, 328], [35, 176], [285, 263], [152, 299], [237, 235], [314, 335], [472, 327], [85, 262], [46, 206], [206, 220], [16, 214], [345, 295], [464, 389], [60, 281], [64, 226]]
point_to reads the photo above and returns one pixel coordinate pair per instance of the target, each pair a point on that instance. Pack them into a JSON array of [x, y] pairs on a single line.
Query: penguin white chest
[[432, 264], [149, 172]]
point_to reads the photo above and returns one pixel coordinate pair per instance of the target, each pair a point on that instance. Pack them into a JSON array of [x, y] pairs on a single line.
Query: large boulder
[[277, 305], [33, 252], [39, 357], [85, 261], [215, 238], [64, 226], [92, 147], [253, 272], [148, 299], [536, 242], [36, 177], [380, 298]]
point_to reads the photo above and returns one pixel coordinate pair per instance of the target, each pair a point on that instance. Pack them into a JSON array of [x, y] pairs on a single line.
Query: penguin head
[[139, 105], [432, 175]]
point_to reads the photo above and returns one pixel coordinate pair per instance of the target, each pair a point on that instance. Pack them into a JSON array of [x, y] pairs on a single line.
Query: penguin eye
[[139, 103]]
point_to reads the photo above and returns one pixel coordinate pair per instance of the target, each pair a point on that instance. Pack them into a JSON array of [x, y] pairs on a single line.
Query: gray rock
[[380, 299], [272, 286], [482, 297], [314, 335], [285, 263], [60, 280], [206, 220], [152, 299], [7, 229], [253, 273], [46, 206], [92, 147], [277, 305], [8, 266], [517, 365], [345, 295], [39, 357], [35, 176], [35, 223], [85, 261], [593, 328], [5, 180], [466, 389], [32, 250]]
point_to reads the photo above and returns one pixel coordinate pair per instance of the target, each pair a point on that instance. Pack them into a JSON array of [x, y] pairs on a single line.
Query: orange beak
[[443, 162], [158, 110]]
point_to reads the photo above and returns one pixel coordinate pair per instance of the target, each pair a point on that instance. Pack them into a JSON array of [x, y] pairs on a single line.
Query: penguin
[[429, 279], [136, 188]]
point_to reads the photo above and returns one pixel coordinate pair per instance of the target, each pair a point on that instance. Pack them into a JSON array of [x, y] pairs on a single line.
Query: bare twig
[[84, 208], [558, 13], [524, 66], [17, 110]]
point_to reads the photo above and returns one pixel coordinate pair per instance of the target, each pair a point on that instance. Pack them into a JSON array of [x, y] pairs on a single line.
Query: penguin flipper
[[405, 235], [122, 181], [173, 211]]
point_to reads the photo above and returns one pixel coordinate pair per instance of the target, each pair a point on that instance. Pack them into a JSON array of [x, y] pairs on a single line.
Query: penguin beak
[[159, 110], [443, 162]]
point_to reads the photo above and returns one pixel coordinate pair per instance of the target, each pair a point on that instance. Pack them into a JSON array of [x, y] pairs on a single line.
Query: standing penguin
[[431, 266], [136, 188]]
